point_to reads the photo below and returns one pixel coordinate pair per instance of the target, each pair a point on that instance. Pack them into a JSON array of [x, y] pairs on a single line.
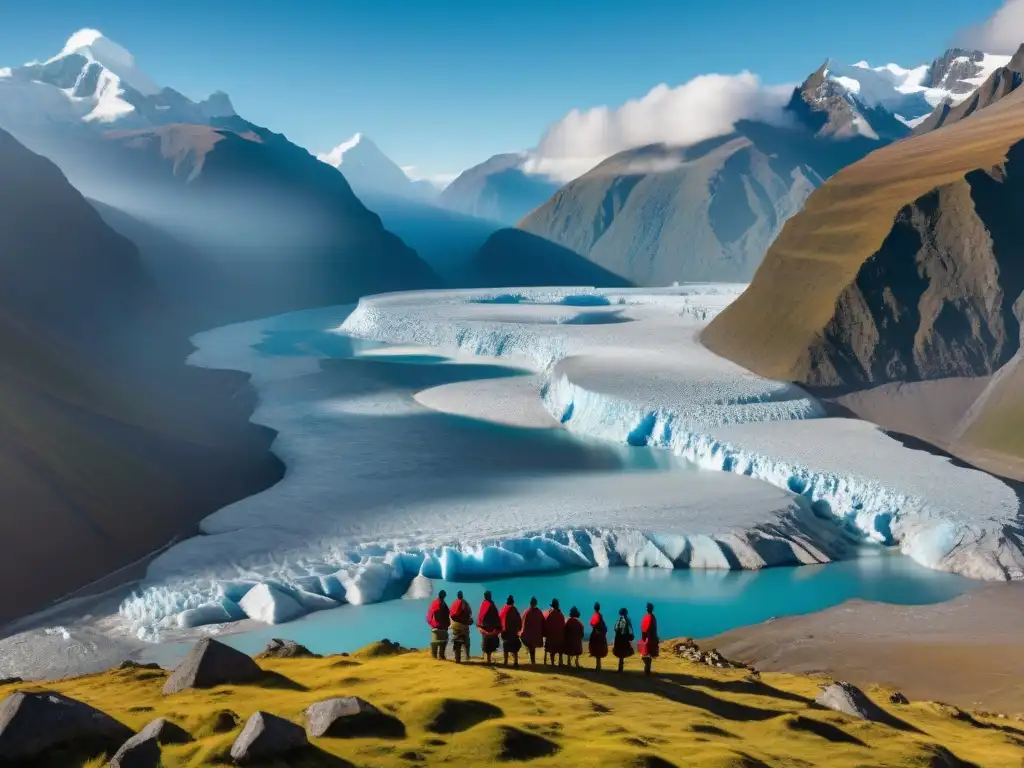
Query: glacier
[[425, 434], [652, 383]]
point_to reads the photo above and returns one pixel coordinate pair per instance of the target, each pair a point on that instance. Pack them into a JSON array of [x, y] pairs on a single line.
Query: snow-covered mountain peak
[[369, 171], [91, 44], [95, 80], [911, 94], [357, 145]]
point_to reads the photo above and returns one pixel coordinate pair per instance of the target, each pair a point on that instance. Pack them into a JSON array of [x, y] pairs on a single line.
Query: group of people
[[559, 637]]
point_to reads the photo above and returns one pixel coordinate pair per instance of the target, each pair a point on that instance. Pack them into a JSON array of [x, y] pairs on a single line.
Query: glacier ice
[[654, 384], [270, 605], [356, 521]]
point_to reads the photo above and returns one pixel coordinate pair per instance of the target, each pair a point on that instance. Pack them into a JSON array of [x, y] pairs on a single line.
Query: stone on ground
[[286, 649], [32, 723], [267, 736], [212, 663], [143, 749], [341, 717], [850, 700]]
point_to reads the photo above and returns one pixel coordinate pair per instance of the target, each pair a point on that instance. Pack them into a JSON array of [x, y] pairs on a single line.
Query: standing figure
[[554, 634], [574, 636], [649, 639], [489, 623], [623, 646], [598, 635], [462, 621], [533, 629], [511, 625], [439, 619]]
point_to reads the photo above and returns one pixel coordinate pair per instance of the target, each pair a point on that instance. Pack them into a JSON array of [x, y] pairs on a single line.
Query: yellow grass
[[688, 715]]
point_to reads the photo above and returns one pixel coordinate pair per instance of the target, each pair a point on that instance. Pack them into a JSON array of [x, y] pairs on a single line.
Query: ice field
[[442, 456]]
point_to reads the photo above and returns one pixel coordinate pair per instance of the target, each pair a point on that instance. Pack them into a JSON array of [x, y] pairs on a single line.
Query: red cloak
[[511, 621], [461, 612], [598, 636], [648, 644], [554, 631], [487, 619], [573, 636], [533, 628], [438, 616]]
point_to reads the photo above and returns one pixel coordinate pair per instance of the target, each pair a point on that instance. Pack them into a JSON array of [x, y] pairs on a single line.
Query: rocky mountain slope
[[110, 445], [904, 269], [498, 189]]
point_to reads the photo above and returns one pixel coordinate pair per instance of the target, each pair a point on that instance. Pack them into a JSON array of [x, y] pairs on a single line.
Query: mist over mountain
[[709, 210], [272, 227], [499, 189], [110, 441]]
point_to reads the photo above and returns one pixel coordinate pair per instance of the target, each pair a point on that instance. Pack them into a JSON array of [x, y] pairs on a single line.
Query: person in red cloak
[[554, 634], [439, 619], [488, 621], [623, 645], [511, 625], [574, 636], [462, 621], [532, 633], [649, 641], [598, 635]]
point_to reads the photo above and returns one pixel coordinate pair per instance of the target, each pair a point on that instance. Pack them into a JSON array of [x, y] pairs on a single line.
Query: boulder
[[211, 663], [850, 700], [286, 649], [143, 749], [267, 736], [898, 698], [32, 723], [346, 717], [132, 664]]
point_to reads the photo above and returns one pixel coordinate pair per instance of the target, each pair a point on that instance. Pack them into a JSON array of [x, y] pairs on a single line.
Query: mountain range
[[658, 214], [898, 291], [133, 217]]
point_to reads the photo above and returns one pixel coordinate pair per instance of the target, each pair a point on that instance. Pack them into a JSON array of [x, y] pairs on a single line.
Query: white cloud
[[1003, 32], [707, 106]]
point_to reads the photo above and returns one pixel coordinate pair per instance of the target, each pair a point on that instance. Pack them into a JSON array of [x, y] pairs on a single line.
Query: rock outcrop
[[286, 649], [212, 663]]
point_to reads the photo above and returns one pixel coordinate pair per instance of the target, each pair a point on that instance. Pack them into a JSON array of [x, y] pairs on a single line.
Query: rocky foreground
[[387, 705]]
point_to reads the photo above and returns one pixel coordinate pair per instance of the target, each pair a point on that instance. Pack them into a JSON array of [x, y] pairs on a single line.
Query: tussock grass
[[472, 715]]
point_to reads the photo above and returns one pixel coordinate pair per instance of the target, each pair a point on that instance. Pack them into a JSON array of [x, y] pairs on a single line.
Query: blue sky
[[443, 85]]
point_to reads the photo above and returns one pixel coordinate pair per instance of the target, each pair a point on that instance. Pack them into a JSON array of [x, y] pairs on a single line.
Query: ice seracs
[[635, 384], [789, 485]]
